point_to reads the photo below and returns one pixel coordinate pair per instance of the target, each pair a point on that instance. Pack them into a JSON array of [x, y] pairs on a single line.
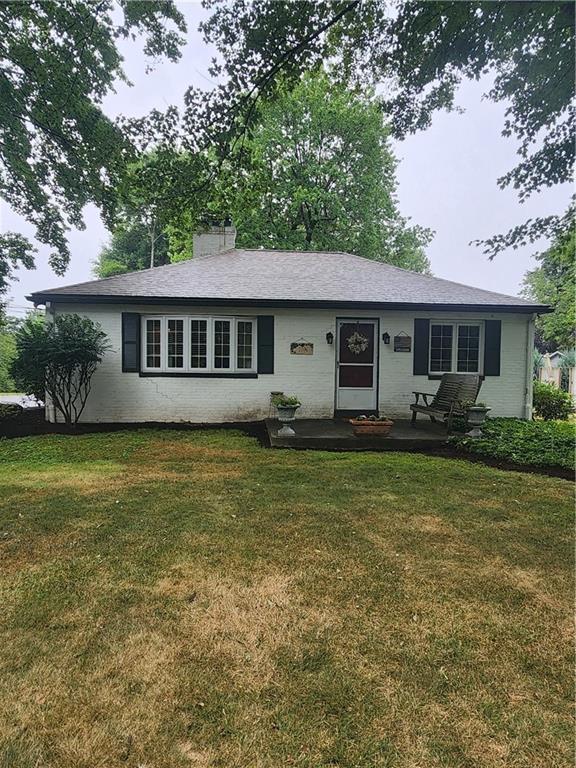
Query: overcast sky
[[447, 179]]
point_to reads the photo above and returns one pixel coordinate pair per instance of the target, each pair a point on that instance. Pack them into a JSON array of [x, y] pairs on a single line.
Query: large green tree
[[8, 331], [554, 282], [158, 189], [322, 177], [420, 51], [129, 250], [317, 173], [58, 151]]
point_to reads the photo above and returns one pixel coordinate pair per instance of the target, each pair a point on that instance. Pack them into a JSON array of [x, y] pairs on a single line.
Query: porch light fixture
[[329, 338], [386, 338]]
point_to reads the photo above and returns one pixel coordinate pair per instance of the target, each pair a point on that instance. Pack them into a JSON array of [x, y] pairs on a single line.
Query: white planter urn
[[476, 416], [286, 415]]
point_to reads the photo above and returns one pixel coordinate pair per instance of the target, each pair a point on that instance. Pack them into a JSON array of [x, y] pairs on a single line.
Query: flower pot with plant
[[475, 416], [371, 425], [286, 407]]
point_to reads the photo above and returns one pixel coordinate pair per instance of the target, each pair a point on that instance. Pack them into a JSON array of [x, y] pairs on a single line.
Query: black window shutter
[[421, 346], [130, 342], [265, 343], [492, 344]]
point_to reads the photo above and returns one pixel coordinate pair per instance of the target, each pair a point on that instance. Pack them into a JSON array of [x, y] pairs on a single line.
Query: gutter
[[41, 298]]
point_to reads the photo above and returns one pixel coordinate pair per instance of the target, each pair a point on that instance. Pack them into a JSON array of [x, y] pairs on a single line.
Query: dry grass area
[[191, 600]]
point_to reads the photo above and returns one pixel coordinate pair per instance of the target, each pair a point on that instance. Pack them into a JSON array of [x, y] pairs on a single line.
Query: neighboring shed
[[559, 369]]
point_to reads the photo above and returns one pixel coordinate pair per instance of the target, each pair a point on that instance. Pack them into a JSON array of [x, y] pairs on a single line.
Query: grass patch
[[175, 599], [536, 443]]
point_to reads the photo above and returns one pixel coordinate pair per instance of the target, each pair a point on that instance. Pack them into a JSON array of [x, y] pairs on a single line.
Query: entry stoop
[[337, 434]]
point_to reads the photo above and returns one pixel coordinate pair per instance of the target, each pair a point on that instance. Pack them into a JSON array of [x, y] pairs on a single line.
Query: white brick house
[[209, 339]]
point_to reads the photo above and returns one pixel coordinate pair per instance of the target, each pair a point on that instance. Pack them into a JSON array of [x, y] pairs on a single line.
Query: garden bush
[[10, 411], [60, 358], [550, 402], [539, 443]]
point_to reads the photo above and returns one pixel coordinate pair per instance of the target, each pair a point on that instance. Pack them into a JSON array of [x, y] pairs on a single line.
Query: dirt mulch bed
[[32, 422], [534, 469]]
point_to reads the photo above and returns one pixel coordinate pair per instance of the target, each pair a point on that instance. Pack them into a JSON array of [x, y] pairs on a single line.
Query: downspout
[[529, 368]]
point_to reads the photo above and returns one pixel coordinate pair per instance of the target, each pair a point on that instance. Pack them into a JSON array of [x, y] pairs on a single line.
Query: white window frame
[[209, 339], [232, 320], [210, 325], [185, 343], [144, 348], [252, 320], [456, 324]]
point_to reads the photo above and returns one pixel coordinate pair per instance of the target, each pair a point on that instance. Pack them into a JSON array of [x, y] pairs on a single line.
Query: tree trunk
[[152, 246], [307, 221]]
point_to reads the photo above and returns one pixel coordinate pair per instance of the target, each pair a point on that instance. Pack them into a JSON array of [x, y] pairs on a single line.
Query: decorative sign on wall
[[301, 348], [402, 343]]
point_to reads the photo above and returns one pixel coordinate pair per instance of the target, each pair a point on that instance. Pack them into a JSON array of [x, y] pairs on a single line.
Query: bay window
[[199, 344], [455, 347]]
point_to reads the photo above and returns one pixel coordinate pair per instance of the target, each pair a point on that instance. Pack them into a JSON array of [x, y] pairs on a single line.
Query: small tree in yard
[[59, 358]]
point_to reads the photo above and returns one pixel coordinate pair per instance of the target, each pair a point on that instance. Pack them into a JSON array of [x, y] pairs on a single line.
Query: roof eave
[[42, 298]]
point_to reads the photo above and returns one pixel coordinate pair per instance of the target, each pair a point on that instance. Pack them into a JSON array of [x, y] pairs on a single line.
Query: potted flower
[[475, 416], [286, 406], [371, 425]]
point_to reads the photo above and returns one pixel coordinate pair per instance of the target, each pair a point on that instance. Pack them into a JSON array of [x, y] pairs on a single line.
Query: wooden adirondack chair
[[454, 390]]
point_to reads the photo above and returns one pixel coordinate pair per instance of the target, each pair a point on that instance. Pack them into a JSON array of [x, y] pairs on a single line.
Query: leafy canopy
[[420, 51], [322, 177], [58, 150], [554, 283], [7, 352], [317, 173], [59, 357], [129, 250]]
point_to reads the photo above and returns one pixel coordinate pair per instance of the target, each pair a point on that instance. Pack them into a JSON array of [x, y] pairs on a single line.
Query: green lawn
[[174, 599]]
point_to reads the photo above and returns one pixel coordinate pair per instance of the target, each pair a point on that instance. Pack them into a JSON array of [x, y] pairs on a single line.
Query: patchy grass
[[176, 600], [536, 443]]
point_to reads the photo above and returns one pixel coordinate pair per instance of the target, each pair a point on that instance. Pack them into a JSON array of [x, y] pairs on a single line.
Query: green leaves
[[320, 175], [554, 283], [550, 402], [538, 443], [129, 250], [59, 151], [15, 251], [316, 173], [419, 52], [59, 358]]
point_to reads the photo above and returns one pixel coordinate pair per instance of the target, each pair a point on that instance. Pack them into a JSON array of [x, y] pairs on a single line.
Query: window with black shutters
[[455, 347], [199, 344], [153, 343]]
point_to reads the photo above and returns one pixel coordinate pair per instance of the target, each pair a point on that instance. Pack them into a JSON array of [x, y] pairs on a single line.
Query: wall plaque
[[301, 348], [402, 343]]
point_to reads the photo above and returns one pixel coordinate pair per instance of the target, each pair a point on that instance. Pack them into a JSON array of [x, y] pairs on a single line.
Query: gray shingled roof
[[283, 277]]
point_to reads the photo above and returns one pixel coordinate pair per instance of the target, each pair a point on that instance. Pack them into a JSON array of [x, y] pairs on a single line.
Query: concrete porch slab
[[333, 434]]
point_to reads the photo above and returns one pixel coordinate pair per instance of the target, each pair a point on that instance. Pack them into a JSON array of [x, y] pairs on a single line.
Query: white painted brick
[[127, 397]]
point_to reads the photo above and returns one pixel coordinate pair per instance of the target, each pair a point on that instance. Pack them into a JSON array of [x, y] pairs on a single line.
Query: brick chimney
[[214, 239]]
